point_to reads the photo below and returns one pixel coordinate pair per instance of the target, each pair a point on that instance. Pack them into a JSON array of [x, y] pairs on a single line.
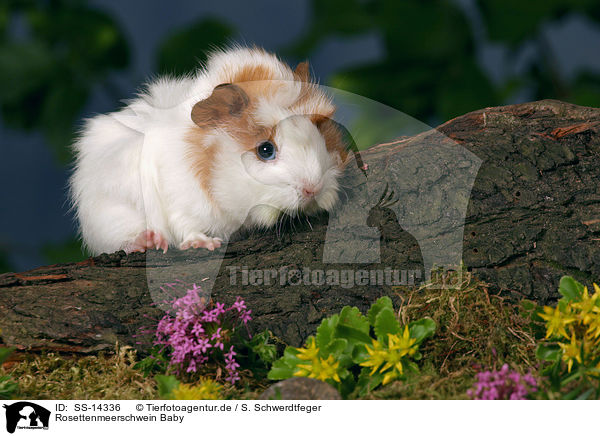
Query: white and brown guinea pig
[[194, 159]]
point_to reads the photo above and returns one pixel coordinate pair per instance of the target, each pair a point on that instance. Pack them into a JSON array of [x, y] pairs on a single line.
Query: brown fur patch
[[253, 73], [302, 72], [226, 101], [257, 80], [332, 135], [231, 109], [202, 158]]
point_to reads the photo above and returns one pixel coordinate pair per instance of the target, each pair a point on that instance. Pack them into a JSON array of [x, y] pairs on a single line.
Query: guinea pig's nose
[[310, 191]]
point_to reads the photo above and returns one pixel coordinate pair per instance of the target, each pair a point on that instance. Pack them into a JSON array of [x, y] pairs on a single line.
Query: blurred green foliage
[[430, 70], [54, 52], [184, 50], [517, 22], [51, 55], [65, 252], [514, 21]]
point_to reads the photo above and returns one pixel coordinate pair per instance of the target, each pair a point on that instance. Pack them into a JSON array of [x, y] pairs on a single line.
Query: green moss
[[476, 331], [102, 377]]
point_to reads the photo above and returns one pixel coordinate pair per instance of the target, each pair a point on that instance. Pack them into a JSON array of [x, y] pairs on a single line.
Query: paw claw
[[202, 242], [148, 239]]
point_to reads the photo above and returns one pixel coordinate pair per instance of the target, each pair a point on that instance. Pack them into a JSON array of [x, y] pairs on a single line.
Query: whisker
[[343, 191], [309, 224], [278, 227]]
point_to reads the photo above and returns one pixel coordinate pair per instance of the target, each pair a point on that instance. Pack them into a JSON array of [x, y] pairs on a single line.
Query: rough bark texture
[[532, 215]]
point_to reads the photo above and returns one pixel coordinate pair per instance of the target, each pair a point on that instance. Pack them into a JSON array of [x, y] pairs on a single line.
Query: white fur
[[132, 173]]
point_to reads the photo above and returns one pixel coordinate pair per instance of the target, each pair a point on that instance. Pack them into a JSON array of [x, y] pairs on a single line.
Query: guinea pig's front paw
[[200, 240], [148, 239]]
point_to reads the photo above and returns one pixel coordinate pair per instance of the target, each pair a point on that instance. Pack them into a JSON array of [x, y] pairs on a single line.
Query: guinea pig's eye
[[266, 150]]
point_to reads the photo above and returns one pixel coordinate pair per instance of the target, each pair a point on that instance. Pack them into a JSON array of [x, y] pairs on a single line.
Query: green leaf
[[347, 385], [366, 382], [155, 363], [587, 394], [4, 353], [531, 310], [549, 353], [359, 354], [527, 305], [386, 323], [325, 331], [352, 335], [422, 329], [259, 344], [570, 289], [377, 307], [7, 388], [353, 328], [335, 348], [351, 317], [572, 394], [281, 370], [410, 367], [166, 385], [570, 378], [286, 366]]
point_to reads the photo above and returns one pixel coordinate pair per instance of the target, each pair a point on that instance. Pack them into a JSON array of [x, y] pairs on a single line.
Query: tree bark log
[[512, 191]]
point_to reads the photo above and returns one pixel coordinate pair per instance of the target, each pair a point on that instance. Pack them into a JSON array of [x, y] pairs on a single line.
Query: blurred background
[[64, 60]]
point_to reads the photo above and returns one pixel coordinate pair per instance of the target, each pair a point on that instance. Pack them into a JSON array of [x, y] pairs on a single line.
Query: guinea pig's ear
[[227, 100], [302, 72]]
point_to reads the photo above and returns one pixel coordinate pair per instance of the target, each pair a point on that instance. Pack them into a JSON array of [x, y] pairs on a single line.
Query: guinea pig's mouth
[[309, 205]]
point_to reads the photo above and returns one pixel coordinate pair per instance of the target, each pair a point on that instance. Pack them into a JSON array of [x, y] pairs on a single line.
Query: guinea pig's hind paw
[[148, 239], [202, 242]]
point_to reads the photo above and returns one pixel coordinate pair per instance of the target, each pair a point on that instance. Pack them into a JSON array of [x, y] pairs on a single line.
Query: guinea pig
[[193, 159]]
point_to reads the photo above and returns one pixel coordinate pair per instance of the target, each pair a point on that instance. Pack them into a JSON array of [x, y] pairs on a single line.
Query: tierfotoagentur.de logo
[[25, 415]]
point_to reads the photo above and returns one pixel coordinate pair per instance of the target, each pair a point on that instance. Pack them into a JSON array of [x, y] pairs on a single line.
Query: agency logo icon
[[26, 415]]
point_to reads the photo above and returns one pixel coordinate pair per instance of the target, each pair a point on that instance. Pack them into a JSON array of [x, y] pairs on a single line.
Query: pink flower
[[184, 334], [239, 304], [502, 385]]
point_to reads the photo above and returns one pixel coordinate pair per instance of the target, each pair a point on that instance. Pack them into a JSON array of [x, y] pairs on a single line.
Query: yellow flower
[[587, 306], [377, 358], [329, 369], [594, 327], [315, 366], [319, 368], [404, 344], [309, 353], [390, 358], [207, 389], [392, 375], [556, 321], [571, 352]]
